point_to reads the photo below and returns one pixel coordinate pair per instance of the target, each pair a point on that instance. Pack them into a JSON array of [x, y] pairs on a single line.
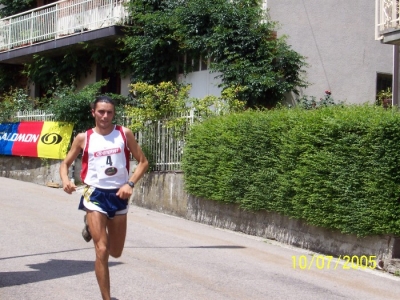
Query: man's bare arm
[[126, 191], [138, 154], [76, 147]]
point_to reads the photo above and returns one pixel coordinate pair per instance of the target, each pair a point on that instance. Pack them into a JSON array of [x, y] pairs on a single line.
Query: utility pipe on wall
[[395, 78]]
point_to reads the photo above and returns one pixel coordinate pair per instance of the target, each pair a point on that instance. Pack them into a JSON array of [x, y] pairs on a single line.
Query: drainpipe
[[395, 78]]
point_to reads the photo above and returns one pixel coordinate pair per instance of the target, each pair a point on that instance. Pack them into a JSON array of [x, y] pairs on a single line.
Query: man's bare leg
[[97, 225], [116, 235]]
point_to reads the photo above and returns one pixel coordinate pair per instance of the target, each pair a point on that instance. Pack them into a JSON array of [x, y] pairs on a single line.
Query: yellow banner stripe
[[54, 140]]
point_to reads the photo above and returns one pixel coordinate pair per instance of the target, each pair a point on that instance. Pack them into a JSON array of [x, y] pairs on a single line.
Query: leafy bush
[[48, 72], [335, 167], [69, 105], [307, 102], [12, 7], [12, 102], [11, 78], [384, 98], [169, 102]]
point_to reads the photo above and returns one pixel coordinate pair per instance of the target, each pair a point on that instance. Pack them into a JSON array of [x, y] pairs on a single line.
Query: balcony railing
[[60, 19], [387, 17]]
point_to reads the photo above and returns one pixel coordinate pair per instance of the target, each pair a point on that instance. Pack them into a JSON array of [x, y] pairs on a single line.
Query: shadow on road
[[44, 253], [218, 247], [52, 269], [191, 247]]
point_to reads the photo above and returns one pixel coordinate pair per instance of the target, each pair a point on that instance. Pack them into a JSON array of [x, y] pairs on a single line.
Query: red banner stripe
[[27, 138]]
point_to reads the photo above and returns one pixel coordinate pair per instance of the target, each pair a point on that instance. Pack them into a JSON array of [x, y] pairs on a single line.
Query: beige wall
[[90, 78], [338, 40]]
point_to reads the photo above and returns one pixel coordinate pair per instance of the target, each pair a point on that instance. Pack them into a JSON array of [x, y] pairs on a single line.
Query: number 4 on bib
[[109, 161]]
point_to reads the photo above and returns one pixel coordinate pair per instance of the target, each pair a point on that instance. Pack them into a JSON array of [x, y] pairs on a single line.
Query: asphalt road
[[43, 256]]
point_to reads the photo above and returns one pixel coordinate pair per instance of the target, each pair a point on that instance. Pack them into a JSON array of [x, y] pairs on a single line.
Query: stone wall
[[164, 192], [31, 169], [42, 171]]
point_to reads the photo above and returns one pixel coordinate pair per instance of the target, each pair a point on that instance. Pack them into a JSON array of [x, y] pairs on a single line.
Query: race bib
[[108, 164]]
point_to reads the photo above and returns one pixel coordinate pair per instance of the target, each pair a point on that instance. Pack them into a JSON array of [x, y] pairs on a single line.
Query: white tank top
[[105, 159]]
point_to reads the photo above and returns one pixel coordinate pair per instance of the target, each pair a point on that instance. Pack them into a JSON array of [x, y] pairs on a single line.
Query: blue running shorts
[[104, 201]]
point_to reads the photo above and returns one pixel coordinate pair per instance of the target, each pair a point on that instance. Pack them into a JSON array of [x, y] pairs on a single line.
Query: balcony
[[64, 24], [387, 21]]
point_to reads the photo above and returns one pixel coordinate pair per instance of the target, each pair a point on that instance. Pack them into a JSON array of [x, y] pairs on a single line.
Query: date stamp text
[[327, 262]]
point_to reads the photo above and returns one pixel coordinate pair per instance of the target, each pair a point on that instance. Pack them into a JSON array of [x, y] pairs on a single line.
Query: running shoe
[[85, 231]]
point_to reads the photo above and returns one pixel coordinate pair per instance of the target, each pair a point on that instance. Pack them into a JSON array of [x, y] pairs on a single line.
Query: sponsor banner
[[35, 139]]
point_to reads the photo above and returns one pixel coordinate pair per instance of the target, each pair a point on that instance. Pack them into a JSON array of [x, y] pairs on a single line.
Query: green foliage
[[13, 7], [69, 105], [13, 101], [10, 77], [170, 102], [334, 167], [47, 71], [156, 102], [152, 51], [110, 58], [311, 102], [234, 34], [247, 53], [227, 103], [384, 98]]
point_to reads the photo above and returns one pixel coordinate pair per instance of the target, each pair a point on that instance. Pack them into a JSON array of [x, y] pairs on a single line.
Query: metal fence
[[34, 115], [59, 19], [163, 146], [387, 16]]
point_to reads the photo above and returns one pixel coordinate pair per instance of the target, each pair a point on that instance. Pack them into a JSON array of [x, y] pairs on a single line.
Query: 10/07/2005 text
[[328, 262]]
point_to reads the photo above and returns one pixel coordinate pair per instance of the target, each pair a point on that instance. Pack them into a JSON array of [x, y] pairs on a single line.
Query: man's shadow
[[54, 268]]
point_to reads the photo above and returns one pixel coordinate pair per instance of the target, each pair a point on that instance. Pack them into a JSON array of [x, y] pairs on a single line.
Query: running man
[[109, 185]]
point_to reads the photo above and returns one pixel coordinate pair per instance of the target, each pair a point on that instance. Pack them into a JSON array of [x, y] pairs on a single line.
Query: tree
[[237, 36], [10, 77], [12, 7], [47, 71]]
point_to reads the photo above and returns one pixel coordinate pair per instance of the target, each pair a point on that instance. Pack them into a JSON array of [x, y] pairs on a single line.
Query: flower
[[327, 92]]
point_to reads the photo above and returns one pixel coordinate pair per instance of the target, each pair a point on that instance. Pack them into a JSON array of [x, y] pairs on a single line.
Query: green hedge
[[335, 167]]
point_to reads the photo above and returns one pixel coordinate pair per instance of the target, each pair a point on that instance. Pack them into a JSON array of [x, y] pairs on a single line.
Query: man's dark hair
[[102, 98]]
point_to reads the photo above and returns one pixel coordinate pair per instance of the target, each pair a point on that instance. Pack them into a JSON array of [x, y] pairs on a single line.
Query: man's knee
[[102, 251], [116, 252]]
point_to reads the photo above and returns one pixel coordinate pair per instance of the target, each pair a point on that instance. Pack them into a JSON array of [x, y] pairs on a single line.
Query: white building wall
[[86, 80], [203, 83], [125, 82], [337, 37], [31, 89]]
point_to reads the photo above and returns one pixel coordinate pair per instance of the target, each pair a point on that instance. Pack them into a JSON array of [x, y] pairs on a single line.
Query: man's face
[[103, 114]]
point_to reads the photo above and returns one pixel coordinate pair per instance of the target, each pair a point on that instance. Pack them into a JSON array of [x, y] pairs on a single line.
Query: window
[[383, 82], [193, 63], [114, 81], [203, 63], [384, 90]]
